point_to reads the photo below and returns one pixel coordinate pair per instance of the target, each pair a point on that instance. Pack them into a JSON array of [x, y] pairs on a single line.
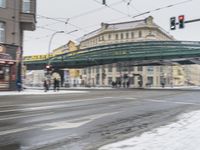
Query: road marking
[[18, 117], [39, 107], [73, 123], [7, 106], [175, 102]]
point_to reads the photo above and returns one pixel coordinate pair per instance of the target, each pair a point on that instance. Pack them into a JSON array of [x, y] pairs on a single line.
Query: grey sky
[[36, 42]]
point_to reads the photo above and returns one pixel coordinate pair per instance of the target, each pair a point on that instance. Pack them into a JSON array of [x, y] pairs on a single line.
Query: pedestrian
[[54, 84], [46, 86], [162, 84], [19, 86], [57, 84], [113, 84], [128, 84]]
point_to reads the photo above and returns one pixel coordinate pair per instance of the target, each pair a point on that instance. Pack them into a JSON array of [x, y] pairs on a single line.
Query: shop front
[[7, 70]]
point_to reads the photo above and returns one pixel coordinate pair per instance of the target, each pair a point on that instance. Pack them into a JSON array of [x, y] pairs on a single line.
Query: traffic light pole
[[190, 21]]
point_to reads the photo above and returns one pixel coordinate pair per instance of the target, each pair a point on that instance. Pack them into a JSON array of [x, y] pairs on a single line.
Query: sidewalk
[[175, 88], [181, 135], [39, 92]]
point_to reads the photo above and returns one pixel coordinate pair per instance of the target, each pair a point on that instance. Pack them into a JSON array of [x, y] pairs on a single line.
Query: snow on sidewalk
[[181, 135], [38, 92]]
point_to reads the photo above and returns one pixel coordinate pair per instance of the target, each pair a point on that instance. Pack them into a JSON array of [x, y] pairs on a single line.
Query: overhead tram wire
[[76, 16], [116, 10], [80, 15], [141, 14], [94, 10], [42, 37], [165, 7]]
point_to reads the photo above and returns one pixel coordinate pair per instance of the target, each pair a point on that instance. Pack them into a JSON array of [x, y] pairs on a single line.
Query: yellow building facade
[[133, 31]]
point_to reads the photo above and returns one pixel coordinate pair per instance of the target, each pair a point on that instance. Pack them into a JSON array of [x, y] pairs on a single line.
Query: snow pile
[[181, 135]]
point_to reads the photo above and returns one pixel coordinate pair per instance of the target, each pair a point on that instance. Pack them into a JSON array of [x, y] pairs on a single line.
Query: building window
[[102, 38], [116, 36], [2, 32], [109, 80], [150, 80], [127, 35], [140, 68], [110, 68], [131, 68], [97, 79], [26, 7], [84, 72], [140, 34], [109, 36], [122, 36], [132, 35], [3, 3], [118, 68], [97, 69], [125, 69], [89, 70], [150, 68]]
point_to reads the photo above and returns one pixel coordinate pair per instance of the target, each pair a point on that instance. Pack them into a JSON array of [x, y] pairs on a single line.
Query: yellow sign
[[38, 57]]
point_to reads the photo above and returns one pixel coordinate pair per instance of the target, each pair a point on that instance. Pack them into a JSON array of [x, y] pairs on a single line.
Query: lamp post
[[48, 68], [50, 44]]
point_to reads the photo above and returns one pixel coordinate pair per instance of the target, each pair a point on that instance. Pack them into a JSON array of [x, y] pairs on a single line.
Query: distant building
[[16, 16], [71, 76], [133, 31]]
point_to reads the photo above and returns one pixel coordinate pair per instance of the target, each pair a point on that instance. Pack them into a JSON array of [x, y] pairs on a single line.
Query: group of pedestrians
[[125, 84], [47, 84]]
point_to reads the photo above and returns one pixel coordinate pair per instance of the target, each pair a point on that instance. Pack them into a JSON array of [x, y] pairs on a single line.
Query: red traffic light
[[182, 17]]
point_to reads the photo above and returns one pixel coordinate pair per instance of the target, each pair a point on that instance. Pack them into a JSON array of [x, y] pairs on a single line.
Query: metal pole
[[49, 48], [190, 21]]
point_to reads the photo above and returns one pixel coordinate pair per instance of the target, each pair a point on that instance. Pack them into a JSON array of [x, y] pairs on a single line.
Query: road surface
[[87, 121]]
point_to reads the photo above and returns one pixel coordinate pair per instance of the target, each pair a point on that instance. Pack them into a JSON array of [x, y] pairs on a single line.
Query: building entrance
[[4, 77]]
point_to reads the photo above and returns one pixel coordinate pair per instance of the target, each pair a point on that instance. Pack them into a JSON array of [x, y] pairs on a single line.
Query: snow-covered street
[[181, 135]]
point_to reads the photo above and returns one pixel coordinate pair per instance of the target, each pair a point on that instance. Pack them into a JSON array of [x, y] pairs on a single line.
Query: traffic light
[[48, 67], [173, 23], [181, 20], [104, 2]]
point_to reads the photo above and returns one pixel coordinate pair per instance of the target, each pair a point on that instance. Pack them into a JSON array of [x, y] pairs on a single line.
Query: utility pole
[[104, 2]]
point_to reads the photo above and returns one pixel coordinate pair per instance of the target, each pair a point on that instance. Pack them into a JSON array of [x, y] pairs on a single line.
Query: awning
[[7, 61]]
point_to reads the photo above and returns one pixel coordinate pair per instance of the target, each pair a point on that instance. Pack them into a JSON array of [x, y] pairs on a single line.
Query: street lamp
[[50, 44]]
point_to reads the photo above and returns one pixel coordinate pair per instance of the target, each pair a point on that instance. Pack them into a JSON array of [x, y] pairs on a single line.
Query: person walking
[[19, 86], [55, 82], [58, 85], [45, 84]]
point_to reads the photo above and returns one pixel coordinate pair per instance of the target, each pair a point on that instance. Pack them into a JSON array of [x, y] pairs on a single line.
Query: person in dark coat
[[46, 86], [55, 84], [19, 86]]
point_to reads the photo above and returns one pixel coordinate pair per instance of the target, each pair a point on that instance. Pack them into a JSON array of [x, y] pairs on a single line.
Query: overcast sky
[[84, 16]]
